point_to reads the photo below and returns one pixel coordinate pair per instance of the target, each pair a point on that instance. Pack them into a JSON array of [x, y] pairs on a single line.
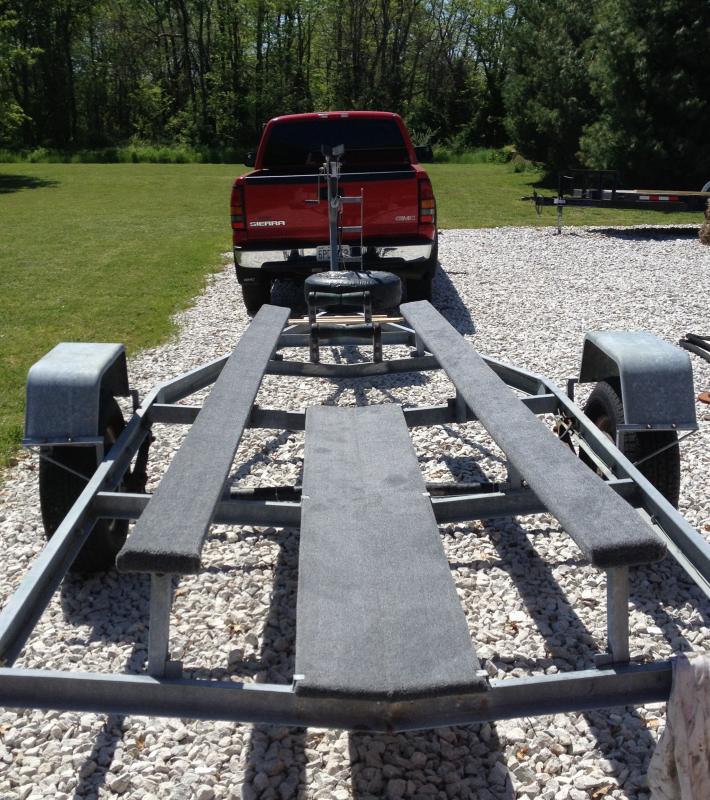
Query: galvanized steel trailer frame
[[600, 189], [162, 691]]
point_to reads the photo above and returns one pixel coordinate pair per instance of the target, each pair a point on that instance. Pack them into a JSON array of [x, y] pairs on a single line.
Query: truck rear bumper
[[413, 260]]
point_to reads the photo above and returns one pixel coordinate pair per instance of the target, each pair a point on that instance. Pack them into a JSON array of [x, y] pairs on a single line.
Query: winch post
[[332, 169]]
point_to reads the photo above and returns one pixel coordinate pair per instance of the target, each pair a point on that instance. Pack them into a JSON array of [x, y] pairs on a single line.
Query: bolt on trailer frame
[[600, 189], [620, 520]]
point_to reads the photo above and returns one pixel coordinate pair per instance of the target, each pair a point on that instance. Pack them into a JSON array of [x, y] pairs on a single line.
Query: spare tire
[[384, 287]]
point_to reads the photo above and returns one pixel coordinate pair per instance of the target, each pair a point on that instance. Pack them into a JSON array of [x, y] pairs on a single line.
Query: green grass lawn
[[100, 253], [107, 252], [488, 195]]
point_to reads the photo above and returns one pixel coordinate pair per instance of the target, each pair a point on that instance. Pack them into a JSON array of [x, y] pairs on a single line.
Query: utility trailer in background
[[600, 189], [381, 639]]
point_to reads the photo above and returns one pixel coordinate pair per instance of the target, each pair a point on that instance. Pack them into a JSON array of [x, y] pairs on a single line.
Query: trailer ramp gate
[[381, 639]]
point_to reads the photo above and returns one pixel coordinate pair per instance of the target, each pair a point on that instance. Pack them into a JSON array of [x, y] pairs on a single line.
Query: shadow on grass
[[15, 183]]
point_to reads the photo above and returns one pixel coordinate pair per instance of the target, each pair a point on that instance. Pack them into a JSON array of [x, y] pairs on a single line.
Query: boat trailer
[[381, 638]]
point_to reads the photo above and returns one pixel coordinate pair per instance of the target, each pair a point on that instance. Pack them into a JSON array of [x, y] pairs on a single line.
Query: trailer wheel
[[256, 295], [59, 489], [605, 408]]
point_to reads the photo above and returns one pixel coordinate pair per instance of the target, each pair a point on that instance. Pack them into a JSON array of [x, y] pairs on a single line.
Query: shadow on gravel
[[562, 629], [642, 234], [126, 597], [463, 467], [360, 386], [276, 758], [449, 304], [15, 183], [464, 762], [263, 455], [666, 584]]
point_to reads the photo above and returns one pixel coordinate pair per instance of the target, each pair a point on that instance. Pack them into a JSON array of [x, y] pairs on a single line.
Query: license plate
[[323, 252]]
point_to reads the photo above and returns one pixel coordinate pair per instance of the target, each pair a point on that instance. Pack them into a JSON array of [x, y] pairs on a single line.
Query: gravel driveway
[[532, 604]]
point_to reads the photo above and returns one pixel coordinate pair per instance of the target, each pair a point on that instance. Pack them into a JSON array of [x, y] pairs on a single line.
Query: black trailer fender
[[64, 390], [656, 377]]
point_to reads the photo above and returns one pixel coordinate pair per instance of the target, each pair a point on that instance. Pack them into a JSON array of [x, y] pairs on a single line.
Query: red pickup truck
[[280, 212]]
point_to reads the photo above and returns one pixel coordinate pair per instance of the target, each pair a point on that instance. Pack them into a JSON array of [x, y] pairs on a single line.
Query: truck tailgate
[[281, 206]]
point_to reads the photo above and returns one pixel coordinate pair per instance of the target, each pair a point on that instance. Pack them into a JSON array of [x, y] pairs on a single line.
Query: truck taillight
[[239, 220], [427, 203]]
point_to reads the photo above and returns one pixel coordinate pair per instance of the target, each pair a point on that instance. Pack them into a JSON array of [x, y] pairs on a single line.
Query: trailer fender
[[64, 389], [656, 377]]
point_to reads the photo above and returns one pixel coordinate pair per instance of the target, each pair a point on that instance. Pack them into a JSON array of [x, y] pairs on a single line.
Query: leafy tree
[[13, 57], [547, 94], [650, 76], [210, 72]]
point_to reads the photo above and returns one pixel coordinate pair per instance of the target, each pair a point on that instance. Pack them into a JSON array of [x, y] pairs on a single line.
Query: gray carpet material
[[605, 528], [378, 616], [169, 535]]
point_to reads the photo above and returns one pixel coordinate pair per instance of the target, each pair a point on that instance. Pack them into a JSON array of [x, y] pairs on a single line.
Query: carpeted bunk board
[[605, 527], [378, 617], [169, 535]]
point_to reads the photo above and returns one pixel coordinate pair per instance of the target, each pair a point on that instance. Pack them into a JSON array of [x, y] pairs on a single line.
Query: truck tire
[[256, 294], [59, 489], [605, 409], [421, 288], [384, 287]]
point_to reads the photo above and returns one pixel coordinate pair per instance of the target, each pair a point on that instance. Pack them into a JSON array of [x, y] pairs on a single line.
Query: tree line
[[602, 83]]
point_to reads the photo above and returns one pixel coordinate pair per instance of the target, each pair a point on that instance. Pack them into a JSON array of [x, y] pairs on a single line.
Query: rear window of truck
[[369, 143]]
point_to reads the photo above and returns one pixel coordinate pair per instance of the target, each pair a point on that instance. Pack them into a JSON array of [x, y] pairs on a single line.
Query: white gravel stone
[[532, 604], [119, 784]]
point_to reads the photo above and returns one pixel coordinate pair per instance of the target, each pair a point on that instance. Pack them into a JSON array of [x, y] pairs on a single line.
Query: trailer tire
[[605, 409], [59, 489], [384, 287], [256, 294]]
